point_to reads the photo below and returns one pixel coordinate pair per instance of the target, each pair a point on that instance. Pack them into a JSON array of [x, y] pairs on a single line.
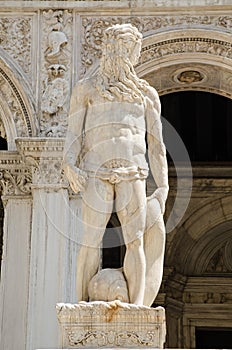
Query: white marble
[[102, 325], [104, 158], [15, 274]]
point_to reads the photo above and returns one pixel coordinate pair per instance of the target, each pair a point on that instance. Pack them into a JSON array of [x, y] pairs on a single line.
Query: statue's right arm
[[73, 142]]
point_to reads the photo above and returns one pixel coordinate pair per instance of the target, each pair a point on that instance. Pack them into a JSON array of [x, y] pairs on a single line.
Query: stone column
[[15, 181], [49, 240]]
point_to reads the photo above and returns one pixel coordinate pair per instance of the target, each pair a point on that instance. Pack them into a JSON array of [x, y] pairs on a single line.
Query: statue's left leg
[[131, 210], [154, 246]]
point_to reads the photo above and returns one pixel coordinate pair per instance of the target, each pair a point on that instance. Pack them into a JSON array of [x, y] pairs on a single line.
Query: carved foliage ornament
[[15, 182], [109, 338], [93, 28], [16, 39]]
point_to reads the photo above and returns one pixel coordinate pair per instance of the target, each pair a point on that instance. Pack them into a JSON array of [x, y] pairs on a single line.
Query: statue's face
[[135, 52]]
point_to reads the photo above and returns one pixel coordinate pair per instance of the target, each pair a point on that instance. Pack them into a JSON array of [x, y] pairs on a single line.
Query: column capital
[[44, 156], [15, 177]]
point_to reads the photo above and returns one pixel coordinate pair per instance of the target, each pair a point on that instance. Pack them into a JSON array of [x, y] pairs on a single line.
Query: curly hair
[[117, 79]]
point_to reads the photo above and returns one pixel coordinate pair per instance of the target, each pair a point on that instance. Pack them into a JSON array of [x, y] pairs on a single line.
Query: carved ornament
[[15, 104], [56, 63], [111, 338], [187, 45], [145, 326], [15, 182], [45, 157], [16, 39], [93, 28]]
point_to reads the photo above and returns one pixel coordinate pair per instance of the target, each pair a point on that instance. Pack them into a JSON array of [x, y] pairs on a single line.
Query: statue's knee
[[135, 244]]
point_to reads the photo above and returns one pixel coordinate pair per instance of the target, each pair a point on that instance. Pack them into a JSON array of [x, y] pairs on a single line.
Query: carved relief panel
[[16, 39], [56, 71]]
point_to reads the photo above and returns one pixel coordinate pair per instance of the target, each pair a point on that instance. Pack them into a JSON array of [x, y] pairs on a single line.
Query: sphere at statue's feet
[[108, 285]]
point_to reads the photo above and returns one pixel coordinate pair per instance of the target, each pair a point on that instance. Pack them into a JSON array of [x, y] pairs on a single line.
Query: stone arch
[[17, 105], [173, 51], [204, 56], [204, 250], [205, 230]]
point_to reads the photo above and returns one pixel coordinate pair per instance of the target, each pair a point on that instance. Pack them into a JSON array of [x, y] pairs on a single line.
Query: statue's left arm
[[156, 147]]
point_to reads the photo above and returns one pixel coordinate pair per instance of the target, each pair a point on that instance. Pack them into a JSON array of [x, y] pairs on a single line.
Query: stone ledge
[[111, 325]]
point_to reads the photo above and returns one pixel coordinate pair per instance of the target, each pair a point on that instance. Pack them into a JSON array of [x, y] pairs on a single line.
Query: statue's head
[[123, 40], [117, 79]]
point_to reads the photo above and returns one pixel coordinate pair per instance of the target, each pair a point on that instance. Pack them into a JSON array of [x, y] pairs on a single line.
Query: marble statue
[[113, 115]]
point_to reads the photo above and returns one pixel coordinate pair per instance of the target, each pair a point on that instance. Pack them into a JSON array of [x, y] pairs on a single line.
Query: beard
[[118, 81]]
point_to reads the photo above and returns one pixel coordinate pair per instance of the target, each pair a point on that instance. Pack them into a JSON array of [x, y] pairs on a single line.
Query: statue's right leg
[[97, 205]]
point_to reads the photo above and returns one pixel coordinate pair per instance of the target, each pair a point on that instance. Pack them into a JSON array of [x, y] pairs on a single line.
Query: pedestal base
[[111, 325]]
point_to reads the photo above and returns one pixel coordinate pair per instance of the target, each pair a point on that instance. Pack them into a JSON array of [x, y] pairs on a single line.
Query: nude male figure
[[105, 149]]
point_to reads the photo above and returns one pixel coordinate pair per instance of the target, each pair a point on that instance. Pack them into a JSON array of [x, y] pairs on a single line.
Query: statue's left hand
[[76, 177], [160, 194]]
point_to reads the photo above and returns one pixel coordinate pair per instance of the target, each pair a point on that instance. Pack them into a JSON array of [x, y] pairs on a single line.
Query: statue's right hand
[[77, 178]]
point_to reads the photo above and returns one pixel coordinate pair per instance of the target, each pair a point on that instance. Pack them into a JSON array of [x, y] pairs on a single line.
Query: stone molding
[[45, 158], [117, 4], [101, 324], [37, 164], [15, 106]]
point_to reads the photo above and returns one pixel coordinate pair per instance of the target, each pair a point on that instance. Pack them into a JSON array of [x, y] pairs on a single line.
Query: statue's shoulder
[[151, 93], [153, 98]]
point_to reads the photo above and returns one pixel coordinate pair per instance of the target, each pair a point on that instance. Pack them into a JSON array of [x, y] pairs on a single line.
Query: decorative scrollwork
[[17, 182]]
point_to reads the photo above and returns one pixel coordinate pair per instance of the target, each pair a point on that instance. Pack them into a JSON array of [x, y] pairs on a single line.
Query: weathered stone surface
[[111, 115], [111, 325]]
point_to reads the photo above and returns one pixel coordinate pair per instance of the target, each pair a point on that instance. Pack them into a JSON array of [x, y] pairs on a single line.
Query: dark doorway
[[3, 144], [113, 244], [203, 121], [213, 338]]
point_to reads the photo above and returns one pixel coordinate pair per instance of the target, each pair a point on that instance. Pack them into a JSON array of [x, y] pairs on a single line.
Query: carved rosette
[[102, 324], [56, 71], [93, 27], [16, 39]]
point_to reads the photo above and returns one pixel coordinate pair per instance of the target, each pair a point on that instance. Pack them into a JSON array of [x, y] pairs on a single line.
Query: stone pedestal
[[111, 325]]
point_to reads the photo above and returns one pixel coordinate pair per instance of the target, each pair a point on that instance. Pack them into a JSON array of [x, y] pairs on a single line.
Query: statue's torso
[[113, 131]]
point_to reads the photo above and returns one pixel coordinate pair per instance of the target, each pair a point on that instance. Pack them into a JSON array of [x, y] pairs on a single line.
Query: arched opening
[[203, 121]]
